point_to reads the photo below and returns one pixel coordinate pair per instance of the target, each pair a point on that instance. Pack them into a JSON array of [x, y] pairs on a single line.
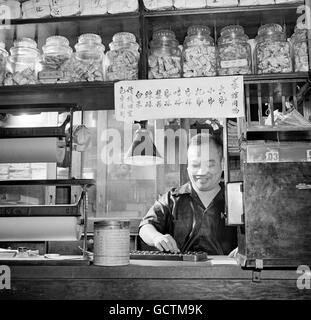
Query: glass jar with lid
[[3, 60], [123, 57], [273, 51], [56, 54], [164, 59], [300, 56], [23, 63], [87, 63], [234, 51], [199, 53]]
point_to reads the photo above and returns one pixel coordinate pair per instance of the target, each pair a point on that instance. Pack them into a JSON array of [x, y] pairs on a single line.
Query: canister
[[111, 242]]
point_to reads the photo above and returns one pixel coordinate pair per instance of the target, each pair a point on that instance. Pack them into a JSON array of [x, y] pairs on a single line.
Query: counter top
[[152, 280]]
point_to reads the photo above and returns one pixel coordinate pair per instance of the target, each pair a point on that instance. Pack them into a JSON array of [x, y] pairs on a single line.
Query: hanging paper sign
[[5, 16], [213, 97]]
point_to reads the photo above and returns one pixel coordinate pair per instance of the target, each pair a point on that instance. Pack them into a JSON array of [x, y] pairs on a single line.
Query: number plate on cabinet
[[278, 152]]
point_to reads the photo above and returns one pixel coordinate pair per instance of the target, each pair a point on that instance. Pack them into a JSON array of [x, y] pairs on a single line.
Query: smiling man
[[190, 218]]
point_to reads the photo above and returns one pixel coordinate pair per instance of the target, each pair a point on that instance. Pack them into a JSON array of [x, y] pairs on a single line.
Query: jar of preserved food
[[3, 59], [199, 53], [299, 44], [123, 57], [23, 63], [87, 63], [56, 54], [234, 51], [273, 51], [165, 56]]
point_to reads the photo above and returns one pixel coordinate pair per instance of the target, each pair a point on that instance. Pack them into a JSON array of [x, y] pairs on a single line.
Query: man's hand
[[165, 242]]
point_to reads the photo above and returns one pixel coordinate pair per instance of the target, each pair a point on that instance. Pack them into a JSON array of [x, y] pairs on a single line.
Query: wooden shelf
[[106, 17], [277, 129], [61, 182], [82, 95], [91, 95], [277, 77], [224, 10], [250, 17]]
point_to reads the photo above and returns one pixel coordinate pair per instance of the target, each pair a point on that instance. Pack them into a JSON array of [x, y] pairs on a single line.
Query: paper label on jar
[[234, 63], [112, 243]]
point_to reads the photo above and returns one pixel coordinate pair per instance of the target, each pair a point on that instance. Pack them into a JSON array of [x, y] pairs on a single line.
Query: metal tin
[[111, 242]]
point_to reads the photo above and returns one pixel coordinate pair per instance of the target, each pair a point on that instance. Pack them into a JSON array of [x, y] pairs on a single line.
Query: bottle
[[199, 53], [3, 60], [23, 63], [300, 56], [123, 57], [273, 51], [56, 54], [234, 51], [88, 61], [164, 56]]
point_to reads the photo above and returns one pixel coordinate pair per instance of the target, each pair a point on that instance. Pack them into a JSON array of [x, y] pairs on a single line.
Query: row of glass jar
[[58, 64], [199, 57]]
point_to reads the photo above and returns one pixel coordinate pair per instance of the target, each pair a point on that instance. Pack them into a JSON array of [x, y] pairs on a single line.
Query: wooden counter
[[151, 280]]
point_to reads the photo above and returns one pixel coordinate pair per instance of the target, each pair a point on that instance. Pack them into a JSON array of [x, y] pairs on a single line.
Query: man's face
[[204, 166]]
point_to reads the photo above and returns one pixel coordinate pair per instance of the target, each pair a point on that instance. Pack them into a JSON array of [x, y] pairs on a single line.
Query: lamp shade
[[143, 152]]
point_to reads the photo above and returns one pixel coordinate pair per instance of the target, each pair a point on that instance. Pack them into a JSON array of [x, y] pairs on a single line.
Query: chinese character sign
[[216, 97]]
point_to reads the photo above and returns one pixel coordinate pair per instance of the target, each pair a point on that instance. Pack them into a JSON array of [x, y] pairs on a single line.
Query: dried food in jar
[[199, 53], [79, 70], [13, 9], [56, 52], [90, 7], [221, 3], [121, 6], [23, 63], [3, 59], [165, 56], [63, 8], [87, 63], [123, 57], [189, 4], [158, 4], [25, 77], [234, 51], [273, 51], [33, 9], [255, 2], [164, 67], [300, 50]]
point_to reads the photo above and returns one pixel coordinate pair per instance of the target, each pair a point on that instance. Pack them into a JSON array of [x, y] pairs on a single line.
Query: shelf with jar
[[190, 43]]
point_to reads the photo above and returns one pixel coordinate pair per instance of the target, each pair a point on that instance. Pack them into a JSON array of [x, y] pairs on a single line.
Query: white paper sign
[[212, 97]]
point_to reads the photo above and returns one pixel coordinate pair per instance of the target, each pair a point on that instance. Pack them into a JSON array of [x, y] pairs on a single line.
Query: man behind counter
[[190, 218]]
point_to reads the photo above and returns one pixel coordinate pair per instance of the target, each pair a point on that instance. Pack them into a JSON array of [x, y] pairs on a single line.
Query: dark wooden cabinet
[[277, 214]]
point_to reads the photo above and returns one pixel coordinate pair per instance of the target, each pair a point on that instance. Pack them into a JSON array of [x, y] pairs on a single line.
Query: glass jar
[[3, 59], [56, 54], [234, 51], [300, 56], [123, 57], [164, 59], [88, 61], [199, 53], [272, 52], [23, 63]]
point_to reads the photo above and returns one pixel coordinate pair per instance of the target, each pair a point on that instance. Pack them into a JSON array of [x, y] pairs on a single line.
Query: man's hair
[[204, 138]]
